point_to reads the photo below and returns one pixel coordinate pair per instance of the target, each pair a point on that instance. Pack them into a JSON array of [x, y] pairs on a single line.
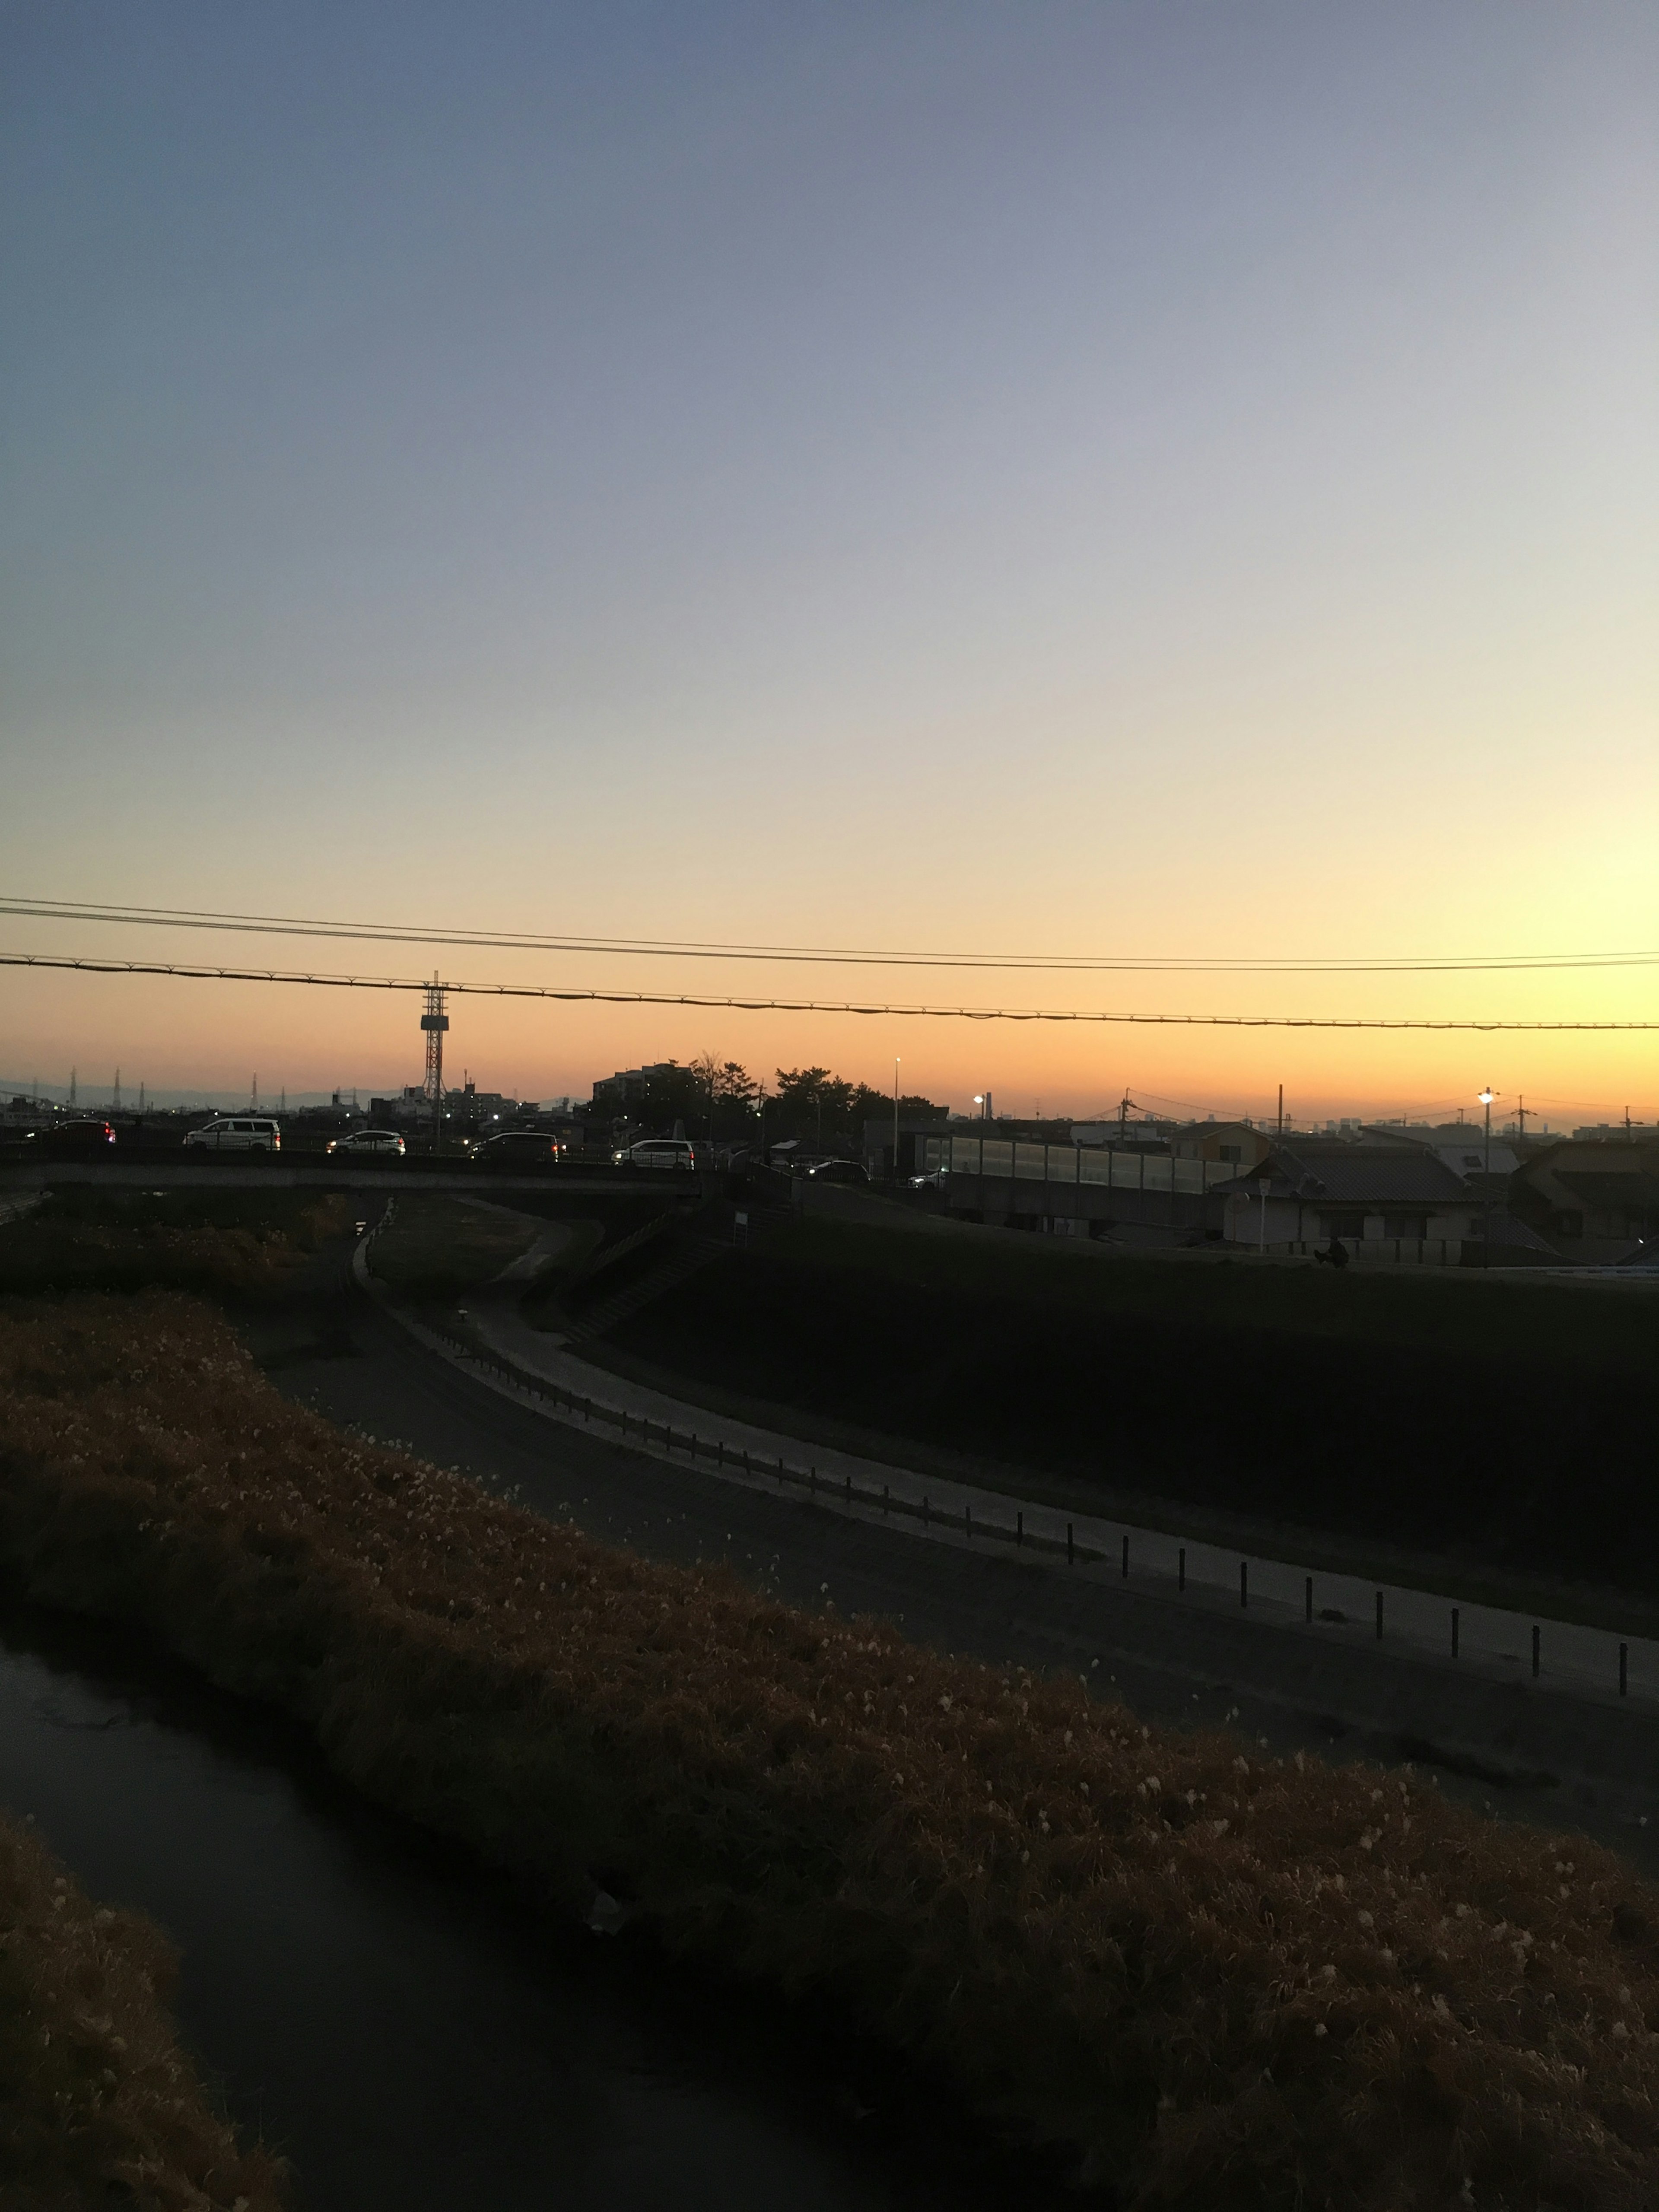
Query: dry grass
[[1224, 1983], [216, 1243], [97, 2102]]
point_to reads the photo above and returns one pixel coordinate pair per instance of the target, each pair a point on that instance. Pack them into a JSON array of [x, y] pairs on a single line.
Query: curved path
[[1539, 1751]]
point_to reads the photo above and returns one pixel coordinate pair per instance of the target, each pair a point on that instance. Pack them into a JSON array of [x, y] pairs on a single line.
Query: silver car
[[384, 1144]]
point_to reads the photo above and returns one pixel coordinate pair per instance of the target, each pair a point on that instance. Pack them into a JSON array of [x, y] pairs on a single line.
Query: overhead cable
[[570, 997], [811, 955]]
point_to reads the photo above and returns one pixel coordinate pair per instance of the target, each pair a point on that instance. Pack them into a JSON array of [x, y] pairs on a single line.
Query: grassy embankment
[[221, 1244], [1219, 1982], [437, 1249], [98, 2105], [1509, 1426]]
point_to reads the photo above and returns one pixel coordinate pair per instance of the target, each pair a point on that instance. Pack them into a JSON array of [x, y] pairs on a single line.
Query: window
[[1342, 1225], [1234, 1152], [1406, 1224]]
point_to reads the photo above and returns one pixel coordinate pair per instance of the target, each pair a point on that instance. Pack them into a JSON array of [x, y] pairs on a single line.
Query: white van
[[657, 1152], [240, 1132]]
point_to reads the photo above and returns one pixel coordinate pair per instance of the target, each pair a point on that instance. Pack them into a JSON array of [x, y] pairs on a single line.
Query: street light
[[1486, 1099], [896, 1155]]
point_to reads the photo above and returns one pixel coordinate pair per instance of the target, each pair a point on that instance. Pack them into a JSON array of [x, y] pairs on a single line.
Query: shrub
[[1218, 1981], [97, 2102]]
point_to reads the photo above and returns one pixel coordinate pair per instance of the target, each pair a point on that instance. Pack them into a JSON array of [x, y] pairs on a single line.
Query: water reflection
[[389, 2018]]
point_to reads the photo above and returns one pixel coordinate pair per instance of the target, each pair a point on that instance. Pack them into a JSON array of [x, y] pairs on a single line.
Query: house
[[1240, 1142], [1461, 1145], [1399, 1204], [1594, 1198]]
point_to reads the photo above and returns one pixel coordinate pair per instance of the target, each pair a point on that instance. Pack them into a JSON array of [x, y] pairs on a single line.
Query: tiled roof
[[1359, 1175]]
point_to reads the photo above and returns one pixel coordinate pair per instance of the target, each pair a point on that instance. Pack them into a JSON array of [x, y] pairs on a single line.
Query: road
[[1533, 1752]]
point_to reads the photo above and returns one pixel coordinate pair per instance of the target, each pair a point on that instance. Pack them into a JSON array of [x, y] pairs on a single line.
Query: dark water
[[401, 2026]]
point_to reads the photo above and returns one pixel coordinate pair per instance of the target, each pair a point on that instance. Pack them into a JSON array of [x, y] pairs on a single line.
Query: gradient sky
[[1140, 479]]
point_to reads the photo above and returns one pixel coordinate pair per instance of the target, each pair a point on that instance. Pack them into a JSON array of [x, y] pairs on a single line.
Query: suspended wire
[[819, 955], [570, 997]]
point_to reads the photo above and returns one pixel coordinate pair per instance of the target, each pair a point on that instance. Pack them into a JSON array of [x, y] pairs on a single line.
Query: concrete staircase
[[684, 1258]]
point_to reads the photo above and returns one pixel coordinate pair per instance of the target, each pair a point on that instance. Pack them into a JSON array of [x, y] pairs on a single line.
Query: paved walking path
[[1489, 1639]]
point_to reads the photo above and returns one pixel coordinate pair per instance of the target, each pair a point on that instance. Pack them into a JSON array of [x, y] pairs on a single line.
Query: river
[[399, 2024]]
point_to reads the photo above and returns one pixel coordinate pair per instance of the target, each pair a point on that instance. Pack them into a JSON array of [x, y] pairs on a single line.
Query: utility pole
[[254, 1107], [896, 1157], [71, 1095], [435, 1021], [1281, 1110], [116, 1102]]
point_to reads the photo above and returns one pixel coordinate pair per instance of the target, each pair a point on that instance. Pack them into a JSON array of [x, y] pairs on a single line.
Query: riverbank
[[98, 2104], [1214, 1980]]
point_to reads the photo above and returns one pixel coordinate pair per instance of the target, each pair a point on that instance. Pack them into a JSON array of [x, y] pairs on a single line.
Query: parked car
[[240, 1132], [76, 1137], [516, 1149], [373, 1144], [837, 1171], [657, 1152]]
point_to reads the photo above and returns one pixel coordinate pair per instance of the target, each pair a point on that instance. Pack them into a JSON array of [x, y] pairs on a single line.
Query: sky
[[1130, 480]]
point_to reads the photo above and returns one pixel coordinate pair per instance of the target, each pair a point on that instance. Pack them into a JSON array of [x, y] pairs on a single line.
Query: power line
[[788, 1005], [694, 949]]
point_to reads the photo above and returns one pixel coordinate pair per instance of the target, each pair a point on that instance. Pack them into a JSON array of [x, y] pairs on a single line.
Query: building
[[631, 1086], [1240, 1144], [1594, 1198], [1397, 1204], [1461, 1145]]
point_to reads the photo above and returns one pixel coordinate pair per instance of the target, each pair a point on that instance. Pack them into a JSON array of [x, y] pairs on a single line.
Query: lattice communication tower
[[435, 1021]]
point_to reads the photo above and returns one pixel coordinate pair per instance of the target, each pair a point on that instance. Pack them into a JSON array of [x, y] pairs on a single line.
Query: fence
[[850, 1495], [1072, 1165]]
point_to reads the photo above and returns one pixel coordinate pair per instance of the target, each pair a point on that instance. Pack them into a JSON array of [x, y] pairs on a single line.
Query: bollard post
[[1126, 1559], [587, 1409], [1070, 1551], [1307, 1599], [745, 1459], [1019, 1528], [1379, 1616], [1454, 1624], [1623, 1670], [1243, 1582], [1181, 1571], [1535, 1652]]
